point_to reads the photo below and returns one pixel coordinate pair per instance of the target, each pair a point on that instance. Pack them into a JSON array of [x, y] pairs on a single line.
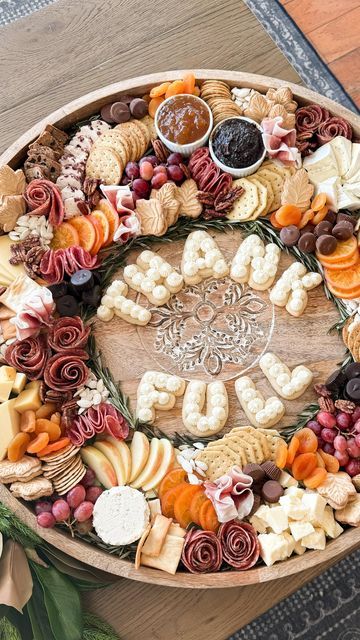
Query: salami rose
[[240, 544], [102, 418], [202, 552], [65, 372], [67, 334], [333, 127], [28, 356], [309, 118], [43, 198]]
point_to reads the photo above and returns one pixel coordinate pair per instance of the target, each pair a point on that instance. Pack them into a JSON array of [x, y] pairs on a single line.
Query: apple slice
[[139, 449], [165, 464], [123, 451], [112, 454], [152, 464], [100, 465]]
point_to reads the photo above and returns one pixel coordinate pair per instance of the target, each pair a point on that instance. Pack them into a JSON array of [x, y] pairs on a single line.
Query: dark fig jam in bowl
[[236, 146], [183, 123]]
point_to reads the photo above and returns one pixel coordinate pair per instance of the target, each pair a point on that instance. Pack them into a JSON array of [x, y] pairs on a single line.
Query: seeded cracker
[[105, 165], [263, 197], [248, 202], [277, 184]]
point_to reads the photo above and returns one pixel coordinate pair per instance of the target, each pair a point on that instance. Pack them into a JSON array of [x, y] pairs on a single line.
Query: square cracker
[[270, 191], [257, 433], [248, 202], [218, 462], [114, 140], [237, 449], [249, 440], [277, 183], [263, 198]]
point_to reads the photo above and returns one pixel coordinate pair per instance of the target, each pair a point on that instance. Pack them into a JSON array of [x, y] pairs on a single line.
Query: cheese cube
[[273, 547], [28, 399], [19, 383], [9, 425], [5, 390], [286, 480], [295, 491], [258, 519], [7, 374], [290, 543], [329, 524], [298, 548], [314, 505], [300, 529], [277, 519], [315, 540], [293, 507]]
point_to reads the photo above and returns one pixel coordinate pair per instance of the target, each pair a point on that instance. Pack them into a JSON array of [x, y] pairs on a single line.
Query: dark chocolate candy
[[67, 306], [336, 380], [307, 242], [324, 227], [353, 389], [82, 280], [272, 491], [290, 235], [105, 114], [126, 97], [256, 505], [326, 244], [254, 471], [343, 230], [345, 217], [92, 297], [309, 228], [330, 217], [138, 108], [271, 470], [58, 290], [352, 370], [120, 112]]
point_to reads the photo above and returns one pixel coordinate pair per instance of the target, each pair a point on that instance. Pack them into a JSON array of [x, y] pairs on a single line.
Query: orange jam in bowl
[[183, 120]]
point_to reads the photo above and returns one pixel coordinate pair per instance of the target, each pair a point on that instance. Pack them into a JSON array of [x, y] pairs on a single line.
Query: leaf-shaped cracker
[[350, 514], [189, 204], [282, 95], [297, 190], [11, 208], [337, 489], [152, 217], [12, 183], [288, 121], [167, 195], [258, 107]]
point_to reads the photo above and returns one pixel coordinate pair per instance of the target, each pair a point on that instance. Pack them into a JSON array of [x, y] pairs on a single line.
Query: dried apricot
[[315, 478], [27, 421], [288, 214], [318, 202], [303, 465], [153, 106], [195, 506], [196, 91], [274, 222], [320, 215], [54, 446], [332, 464], [320, 461], [38, 443], [64, 236], [18, 446], [169, 497], [46, 410], [306, 217], [182, 504], [47, 426], [292, 450], [308, 441], [176, 87], [208, 517], [172, 479], [56, 418], [281, 456], [86, 231], [160, 90], [189, 82]]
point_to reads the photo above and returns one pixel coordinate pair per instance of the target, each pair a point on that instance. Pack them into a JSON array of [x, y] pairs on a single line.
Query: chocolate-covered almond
[[323, 228], [330, 217], [326, 244], [272, 491], [341, 217], [290, 235], [120, 112], [343, 230], [105, 113], [138, 108], [307, 242]]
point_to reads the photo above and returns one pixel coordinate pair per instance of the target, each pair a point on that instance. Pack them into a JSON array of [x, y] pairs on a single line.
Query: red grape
[[88, 479], [314, 426], [43, 506], [84, 527], [340, 443], [357, 439], [328, 448], [342, 456], [152, 159], [352, 448], [132, 170], [328, 435], [93, 493], [326, 419], [175, 173], [320, 443], [174, 159], [125, 181], [357, 426], [356, 415], [160, 169], [141, 188], [83, 511], [159, 180], [146, 170], [76, 495], [353, 467], [46, 520], [60, 510], [343, 421]]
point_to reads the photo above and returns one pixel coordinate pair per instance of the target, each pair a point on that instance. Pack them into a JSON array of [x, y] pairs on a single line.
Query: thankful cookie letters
[[202, 258], [157, 391], [288, 384], [115, 302], [217, 407], [290, 291], [153, 277], [261, 412], [255, 263]]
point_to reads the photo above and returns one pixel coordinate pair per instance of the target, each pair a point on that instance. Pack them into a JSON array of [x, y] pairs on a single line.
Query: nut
[[322, 390], [326, 404], [345, 405]]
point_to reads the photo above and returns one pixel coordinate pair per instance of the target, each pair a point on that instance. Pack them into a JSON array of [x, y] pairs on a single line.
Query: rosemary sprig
[[307, 414], [177, 439]]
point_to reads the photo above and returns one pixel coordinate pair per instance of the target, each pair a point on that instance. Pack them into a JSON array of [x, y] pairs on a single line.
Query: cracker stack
[[351, 336], [262, 192], [218, 96], [25, 478], [127, 142], [242, 445], [64, 468]]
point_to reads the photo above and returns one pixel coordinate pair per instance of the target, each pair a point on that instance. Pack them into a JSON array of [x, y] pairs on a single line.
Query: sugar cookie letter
[[157, 391], [290, 290], [115, 302], [255, 263], [217, 407], [261, 412], [202, 258], [288, 384], [153, 277]]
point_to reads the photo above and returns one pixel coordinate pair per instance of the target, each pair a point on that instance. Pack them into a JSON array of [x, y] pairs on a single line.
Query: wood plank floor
[[332, 26]]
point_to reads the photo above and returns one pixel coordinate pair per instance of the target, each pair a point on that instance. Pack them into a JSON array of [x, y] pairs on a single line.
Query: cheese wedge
[[342, 148], [29, 399], [331, 188], [347, 200], [355, 162], [321, 165], [352, 188], [10, 425], [7, 270]]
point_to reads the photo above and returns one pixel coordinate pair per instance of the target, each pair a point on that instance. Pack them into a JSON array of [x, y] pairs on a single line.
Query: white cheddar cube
[[298, 548], [314, 505], [290, 543], [5, 390], [321, 165], [293, 507], [300, 529], [286, 480], [19, 383], [315, 540], [7, 374], [277, 519], [295, 491], [329, 524], [273, 547], [259, 519]]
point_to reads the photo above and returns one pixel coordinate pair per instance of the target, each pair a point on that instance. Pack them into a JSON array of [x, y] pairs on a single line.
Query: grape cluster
[[339, 434], [76, 507], [149, 174]]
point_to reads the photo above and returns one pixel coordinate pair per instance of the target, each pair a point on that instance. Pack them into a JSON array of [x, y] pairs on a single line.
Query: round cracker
[[115, 141], [104, 164]]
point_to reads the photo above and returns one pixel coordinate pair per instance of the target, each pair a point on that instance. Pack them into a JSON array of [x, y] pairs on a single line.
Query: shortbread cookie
[[202, 258], [337, 489], [350, 514], [288, 384], [290, 291], [33, 489], [255, 263], [217, 407], [115, 302], [261, 412], [25, 469], [159, 391], [153, 277]]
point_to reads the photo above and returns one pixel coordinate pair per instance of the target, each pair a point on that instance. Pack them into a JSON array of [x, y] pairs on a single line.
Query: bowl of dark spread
[[183, 123], [236, 146]]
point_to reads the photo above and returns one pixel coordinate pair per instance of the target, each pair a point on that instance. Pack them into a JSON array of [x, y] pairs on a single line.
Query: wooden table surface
[[62, 52]]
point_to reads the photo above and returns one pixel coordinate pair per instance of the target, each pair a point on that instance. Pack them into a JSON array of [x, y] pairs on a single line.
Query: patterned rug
[[328, 608]]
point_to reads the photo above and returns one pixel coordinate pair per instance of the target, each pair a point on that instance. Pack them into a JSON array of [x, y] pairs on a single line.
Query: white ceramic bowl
[[185, 149], [244, 171]]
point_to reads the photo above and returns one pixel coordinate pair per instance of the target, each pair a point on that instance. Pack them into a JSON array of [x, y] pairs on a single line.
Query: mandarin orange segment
[[154, 104], [318, 202], [303, 465], [176, 87], [65, 236], [18, 446], [27, 421], [182, 504], [172, 479], [160, 90], [208, 517], [101, 217], [195, 506], [306, 217], [320, 215], [86, 231], [346, 280], [332, 464], [112, 217], [54, 446], [189, 82], [315, 478], [344, 250], [274, 222], [308, 441], [169, 497], [288, 214], [38, 443], [292, 450]]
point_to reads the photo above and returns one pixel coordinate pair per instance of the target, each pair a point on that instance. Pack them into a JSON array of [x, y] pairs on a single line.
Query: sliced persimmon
[[303, 465], [101, 217], [86, 231], [315, 478], [169, 497], [344, 250], [182, 504], [65, 236], [292, 450], [208, 518], [332, 464], [112, 217], [308, 441], [195, 506], [172, 479], [54, 446], [346, 280]]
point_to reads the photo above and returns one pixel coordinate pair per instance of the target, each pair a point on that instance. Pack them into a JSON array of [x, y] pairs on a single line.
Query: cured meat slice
[[202, 552], [29, 356], [67, 334], [43, 198], [333, 127], [54, 264], [240, 544], [309, 118], [102, 418], [207, 175], [66, 372]]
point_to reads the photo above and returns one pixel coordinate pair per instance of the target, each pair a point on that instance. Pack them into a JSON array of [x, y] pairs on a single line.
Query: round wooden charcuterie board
[[221, 331]]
